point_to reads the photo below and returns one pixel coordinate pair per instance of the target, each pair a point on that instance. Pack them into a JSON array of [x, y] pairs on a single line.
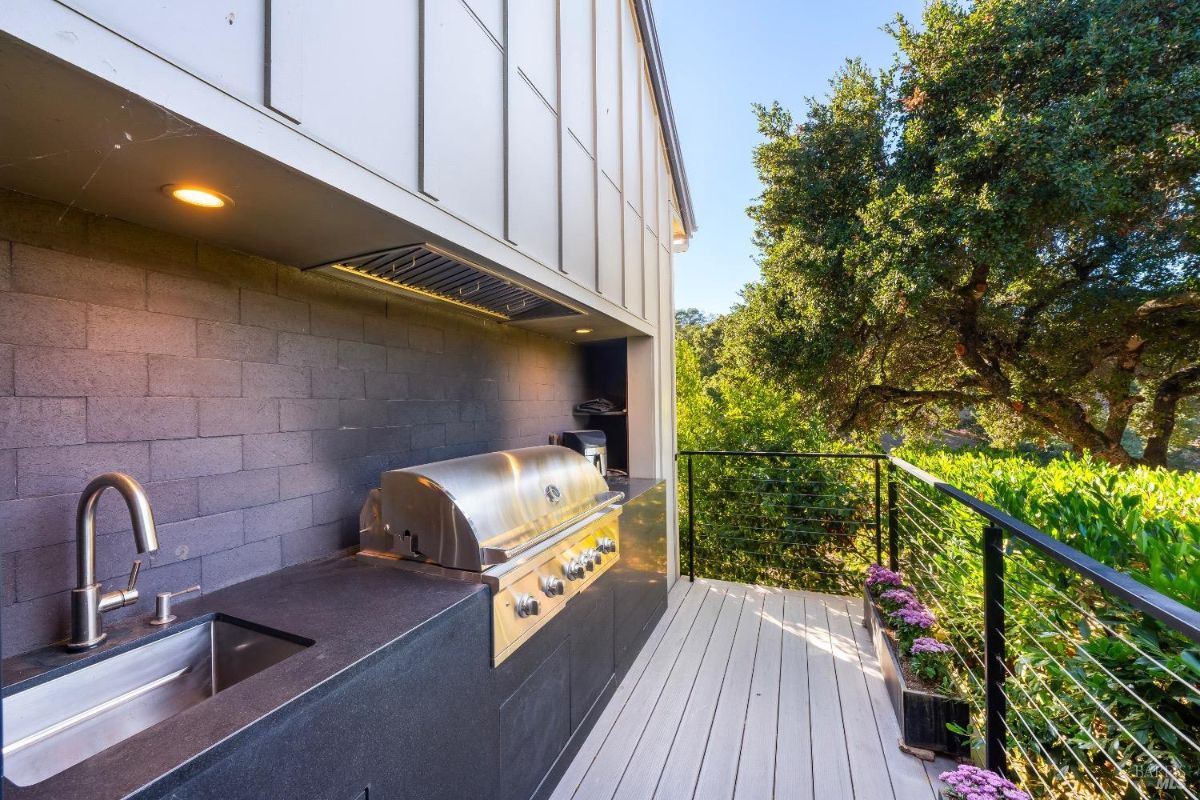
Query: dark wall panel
[[255, 403]]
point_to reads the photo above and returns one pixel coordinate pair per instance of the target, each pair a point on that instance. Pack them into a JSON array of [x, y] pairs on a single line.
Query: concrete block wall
[[255, 403]]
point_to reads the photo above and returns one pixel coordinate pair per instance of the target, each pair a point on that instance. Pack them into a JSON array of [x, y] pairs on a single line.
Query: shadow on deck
[[752, 693]]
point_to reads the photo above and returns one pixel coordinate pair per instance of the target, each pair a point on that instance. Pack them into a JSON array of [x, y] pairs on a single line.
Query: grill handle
[[496, 555]]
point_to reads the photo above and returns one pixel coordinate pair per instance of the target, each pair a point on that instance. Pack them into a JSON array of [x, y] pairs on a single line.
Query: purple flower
[[918, 616], [927, 644], [969, 782], [901, 597], [882, 576]]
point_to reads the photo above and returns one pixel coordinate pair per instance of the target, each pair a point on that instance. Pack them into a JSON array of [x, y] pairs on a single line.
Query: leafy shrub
[[1099, 693], [799, 523], [1143, 521]]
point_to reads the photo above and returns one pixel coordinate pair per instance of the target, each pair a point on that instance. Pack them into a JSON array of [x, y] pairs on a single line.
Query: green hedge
[[1103, 700], [1145, 522]]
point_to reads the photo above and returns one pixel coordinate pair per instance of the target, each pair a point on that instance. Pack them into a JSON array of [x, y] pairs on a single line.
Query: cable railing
[[1082, 681], [779, 518]]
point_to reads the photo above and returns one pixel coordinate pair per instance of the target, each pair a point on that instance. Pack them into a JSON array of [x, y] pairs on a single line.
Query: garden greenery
[[1096, 689]]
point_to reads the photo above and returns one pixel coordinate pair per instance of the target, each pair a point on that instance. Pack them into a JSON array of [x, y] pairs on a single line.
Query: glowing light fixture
[[583, 330], [197, 196]]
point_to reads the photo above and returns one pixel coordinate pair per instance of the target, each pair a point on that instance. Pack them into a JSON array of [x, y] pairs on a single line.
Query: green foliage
[[736, 409], [1095, 686], [754, 520], [1143, 521], [1007, 219]]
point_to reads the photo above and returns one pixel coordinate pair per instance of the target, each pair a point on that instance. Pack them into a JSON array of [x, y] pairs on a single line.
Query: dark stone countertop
[[632, 487], [351, 610]]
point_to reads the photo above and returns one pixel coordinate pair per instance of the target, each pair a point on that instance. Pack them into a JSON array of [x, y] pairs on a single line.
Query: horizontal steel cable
[[833, 534], [958, 630], [1129, 691], [1067, 598], [1079, 725], [1102, 708], [1037, 739], [780, 543]]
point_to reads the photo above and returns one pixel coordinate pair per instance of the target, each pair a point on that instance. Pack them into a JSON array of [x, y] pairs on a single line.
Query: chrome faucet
[[87, 603]]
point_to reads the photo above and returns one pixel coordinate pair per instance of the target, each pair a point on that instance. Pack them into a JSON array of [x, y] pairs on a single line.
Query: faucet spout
[[87, 603]]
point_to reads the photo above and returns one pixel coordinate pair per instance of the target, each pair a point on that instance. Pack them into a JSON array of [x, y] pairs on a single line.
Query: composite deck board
[[718, 769], [649, 758], [830, 756], [793, 745], [756, 765], [867, 760], [750, 693], [677, 780]]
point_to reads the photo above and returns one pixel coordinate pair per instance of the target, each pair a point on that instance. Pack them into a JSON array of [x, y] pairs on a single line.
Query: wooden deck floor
[[750, 693]]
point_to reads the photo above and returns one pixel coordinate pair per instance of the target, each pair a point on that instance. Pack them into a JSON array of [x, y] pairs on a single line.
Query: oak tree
[[1006, 220]]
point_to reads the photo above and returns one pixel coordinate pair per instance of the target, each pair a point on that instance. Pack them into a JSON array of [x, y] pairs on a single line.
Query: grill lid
[[469, 513]]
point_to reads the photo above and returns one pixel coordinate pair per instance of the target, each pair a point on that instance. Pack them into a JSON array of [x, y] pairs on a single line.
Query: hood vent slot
[[430, 272]]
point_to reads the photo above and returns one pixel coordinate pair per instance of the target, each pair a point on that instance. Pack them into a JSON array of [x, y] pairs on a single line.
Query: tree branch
[[1161, 304], [1066, 417], [1175, 387], [1083, 268], [1121, 399], [991, 376], [876, 395]]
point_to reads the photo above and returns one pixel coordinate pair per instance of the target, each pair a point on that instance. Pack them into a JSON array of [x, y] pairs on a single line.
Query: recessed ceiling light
[[583, 330], [197, 196]]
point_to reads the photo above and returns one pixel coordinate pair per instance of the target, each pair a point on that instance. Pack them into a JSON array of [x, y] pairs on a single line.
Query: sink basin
[[66, 720]]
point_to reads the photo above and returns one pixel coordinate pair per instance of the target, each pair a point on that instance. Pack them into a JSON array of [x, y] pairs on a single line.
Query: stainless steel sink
[[66, 720]]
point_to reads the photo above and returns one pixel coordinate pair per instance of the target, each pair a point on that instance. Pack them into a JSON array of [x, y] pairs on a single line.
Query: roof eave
[[662, 100]]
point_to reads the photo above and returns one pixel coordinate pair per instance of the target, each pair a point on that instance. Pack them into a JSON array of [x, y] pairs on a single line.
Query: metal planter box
[[922, 716]]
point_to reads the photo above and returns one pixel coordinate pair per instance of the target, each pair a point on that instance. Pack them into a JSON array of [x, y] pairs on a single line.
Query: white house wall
[[225, 44], [493, 110], [462, 120], [380, 132], [524, 131]]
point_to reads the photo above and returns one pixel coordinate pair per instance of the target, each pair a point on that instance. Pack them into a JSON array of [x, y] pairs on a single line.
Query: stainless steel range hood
[[427, 271]]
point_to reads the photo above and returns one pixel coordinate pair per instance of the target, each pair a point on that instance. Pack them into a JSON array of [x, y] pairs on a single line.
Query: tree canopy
[[1006, 219]]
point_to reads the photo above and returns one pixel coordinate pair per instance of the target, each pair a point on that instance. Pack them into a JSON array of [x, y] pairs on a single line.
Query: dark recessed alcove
[[606, 369]]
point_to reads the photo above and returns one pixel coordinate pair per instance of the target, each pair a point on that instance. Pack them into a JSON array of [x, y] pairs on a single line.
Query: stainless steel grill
[[538, 525]]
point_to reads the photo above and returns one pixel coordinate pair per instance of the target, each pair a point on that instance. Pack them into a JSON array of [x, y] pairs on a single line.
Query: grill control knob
[[590, 559], [553, 586], [575, 569], [606, 545], [527, 605]]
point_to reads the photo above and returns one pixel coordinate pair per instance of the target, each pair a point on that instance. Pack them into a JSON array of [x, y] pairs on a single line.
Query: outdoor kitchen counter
[[360, 618], [632, 487]]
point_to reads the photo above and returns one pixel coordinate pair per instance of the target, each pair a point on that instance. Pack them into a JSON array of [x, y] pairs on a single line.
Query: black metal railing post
[[996, 704], [691, 523], [893, 521], [878, 518]]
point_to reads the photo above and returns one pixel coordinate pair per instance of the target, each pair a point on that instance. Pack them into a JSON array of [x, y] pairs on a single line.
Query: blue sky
[[723, 55]]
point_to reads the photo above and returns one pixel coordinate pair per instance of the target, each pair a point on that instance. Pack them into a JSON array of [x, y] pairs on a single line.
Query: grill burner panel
[[538, 525]]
